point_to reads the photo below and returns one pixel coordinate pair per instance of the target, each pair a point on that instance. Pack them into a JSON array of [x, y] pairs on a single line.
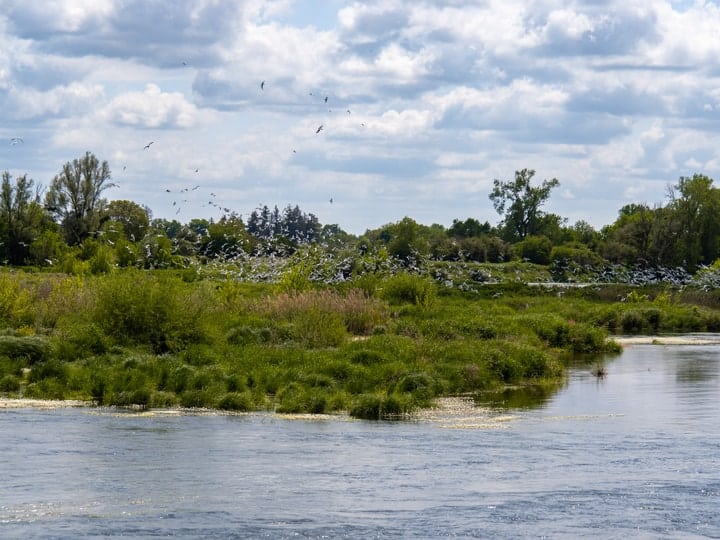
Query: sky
[[422, 104]]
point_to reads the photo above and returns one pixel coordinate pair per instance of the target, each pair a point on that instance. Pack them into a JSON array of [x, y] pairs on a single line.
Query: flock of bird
[[178, 203]]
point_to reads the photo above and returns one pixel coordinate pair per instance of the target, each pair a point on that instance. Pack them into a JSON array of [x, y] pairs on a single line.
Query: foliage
[[75, 196], [411, 288], [520, 203]]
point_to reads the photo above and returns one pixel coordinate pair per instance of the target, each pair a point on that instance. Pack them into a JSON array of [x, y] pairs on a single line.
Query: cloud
[[152, 108], [156, 33]]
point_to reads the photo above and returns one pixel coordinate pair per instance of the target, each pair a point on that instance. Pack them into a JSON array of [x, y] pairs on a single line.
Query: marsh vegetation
[[378, 346]]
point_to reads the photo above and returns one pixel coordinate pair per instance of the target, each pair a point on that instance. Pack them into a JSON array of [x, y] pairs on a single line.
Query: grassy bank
[[376, 347]]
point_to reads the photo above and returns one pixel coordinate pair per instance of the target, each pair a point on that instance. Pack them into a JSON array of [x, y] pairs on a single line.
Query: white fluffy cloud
[[427, 101], [152, 108]]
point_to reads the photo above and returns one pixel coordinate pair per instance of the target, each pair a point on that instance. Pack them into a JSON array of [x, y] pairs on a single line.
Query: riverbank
[[25, 403], [690, 339]]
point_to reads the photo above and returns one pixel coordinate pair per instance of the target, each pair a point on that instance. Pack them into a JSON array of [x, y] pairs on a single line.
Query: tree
[[134, 218], [695, 204], [74, 197], [21, 217], [468, 228], [520, 203]]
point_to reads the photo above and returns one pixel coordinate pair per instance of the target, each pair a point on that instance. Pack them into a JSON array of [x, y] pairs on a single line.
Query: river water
[[635, 454]]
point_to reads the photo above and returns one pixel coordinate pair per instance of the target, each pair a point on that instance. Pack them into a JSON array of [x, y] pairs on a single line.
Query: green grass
[[149, 339]]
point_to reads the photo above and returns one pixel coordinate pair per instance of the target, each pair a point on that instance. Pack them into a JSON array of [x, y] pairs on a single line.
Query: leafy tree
[[134, 218], [535, 249], [75, 196], [630, 237], [227, 238], [696, 205], [468, 228], [520, 203], [21, 217]]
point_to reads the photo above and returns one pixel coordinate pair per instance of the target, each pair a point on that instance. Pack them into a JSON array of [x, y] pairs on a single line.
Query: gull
[[319, 129], [262, 85], [16, 140], [148, 145], [326, 98]]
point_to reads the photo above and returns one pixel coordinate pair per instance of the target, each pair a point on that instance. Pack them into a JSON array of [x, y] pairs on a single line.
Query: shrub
[[9, 383], [236, 401], [409, 288], [81, 341], [15, 300], [162, 400], [367, 357], [376, 407], [553, 329], [136, 307], [33, 349], [318, 328], [585, 338]]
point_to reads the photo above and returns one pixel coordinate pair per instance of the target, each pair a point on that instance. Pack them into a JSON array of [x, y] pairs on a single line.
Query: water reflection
[[521, 397]]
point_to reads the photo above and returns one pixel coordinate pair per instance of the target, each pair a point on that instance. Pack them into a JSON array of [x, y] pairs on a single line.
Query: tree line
[[71, 225]]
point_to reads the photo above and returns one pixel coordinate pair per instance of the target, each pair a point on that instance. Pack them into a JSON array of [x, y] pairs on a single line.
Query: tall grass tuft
[[319, 314]]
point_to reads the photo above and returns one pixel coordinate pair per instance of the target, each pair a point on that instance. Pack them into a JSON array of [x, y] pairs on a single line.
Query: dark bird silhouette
[[262, 85], [331, 200], [148, 145], [326, 98], [319, 129], [184, 63]]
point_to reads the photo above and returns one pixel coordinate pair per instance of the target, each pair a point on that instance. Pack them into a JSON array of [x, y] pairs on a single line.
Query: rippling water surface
[[634, 454]]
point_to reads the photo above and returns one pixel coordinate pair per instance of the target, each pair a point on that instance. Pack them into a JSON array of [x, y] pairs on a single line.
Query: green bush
[[409, 288], [33, 349], [9, 383], [317, 328], [236, 401], [376, 407]]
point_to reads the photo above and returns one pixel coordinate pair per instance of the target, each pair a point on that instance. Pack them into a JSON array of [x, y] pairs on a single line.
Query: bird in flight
[[319, 129], [326, 98], [148, 145], [262, 85], [16, 140]]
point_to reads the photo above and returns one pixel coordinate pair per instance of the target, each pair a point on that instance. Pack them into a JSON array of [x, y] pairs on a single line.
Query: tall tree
[[21, 217], [696, 206], [134, 218], [520, 203], [75, 196]]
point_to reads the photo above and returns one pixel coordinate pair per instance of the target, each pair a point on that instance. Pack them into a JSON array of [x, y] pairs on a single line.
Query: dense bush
[[409, 288]]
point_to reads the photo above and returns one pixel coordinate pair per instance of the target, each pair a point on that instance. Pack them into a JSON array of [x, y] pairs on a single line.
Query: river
[[634, 454]]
